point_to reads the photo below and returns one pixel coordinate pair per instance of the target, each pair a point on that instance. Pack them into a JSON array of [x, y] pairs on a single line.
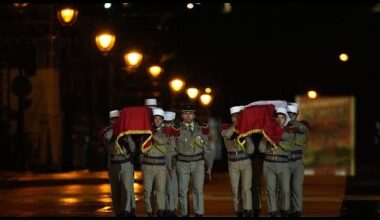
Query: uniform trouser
[[257, 165], [171, 199], [272, 172], [154, 174], [296, 185], [121, 181], [195, 170], [241, 172]]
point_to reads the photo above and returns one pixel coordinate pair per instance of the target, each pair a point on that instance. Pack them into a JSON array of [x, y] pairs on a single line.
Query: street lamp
[[133, 59], [192, 93], [67, 16], [105, 41], [208, 90], [176, 85], [205, 99], [155, 71], [312, 94]]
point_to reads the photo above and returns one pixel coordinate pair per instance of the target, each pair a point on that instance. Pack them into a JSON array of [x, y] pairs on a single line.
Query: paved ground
[[85, 193]]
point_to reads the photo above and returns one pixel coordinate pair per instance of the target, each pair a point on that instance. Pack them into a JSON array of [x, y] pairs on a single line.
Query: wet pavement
[[85, 193]]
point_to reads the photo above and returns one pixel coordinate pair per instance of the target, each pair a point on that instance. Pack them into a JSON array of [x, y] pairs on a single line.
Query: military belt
[[295, 155], [154, 160], [190, 158], [276, 158], [237, 156], [120, 161]]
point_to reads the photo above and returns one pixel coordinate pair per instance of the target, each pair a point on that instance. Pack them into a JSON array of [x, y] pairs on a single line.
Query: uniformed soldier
[[120, 169], [171, 200], [193, 154], [276, 166], [154, 167], [239, 167], [296, 164]]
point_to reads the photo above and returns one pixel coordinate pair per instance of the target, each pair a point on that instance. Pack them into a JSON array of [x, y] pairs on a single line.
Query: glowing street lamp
[[208, 90], [205, 99], [192, 93], [155, 71], [343, 57], [105, 41], [176, 85], [133, 59], [312, 94], [67, 16]]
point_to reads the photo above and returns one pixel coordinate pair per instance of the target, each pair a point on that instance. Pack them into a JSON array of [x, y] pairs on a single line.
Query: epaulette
[[171, 131], [205, 130]]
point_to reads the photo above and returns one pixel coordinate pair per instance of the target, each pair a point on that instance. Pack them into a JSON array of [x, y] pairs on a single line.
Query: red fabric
[[205, 130], [171, 131], [260, 117], [135, 120], [224, 126]]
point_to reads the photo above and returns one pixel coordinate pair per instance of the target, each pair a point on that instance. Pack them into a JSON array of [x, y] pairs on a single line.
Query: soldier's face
[[292, 116], [169, 124], [235, 118], [188, 117], [113, 120], [157, 121], [281, 119]]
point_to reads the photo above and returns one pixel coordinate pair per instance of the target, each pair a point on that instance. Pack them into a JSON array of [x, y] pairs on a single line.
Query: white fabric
[[114, 113], [292, 108], [159, 112], [169, 116], [151, 102], [235, 109]]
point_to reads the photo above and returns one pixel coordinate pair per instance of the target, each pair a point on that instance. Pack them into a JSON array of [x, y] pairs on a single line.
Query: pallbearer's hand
[[208, 173]]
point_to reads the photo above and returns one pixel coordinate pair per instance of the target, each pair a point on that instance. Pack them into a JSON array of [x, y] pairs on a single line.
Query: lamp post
[[176, 86], [192, 92], [155, 71], [67, 15], [133, 60]]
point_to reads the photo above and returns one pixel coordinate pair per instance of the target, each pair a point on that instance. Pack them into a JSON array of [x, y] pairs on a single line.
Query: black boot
[[296, 214], [198, 215], [239, 214], [256, 213], [272, 214], [160, 213], [284, 213], [149, 214], [133, 213]]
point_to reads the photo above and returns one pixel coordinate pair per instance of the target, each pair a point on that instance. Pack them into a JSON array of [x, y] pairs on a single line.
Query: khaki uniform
[[192, 151], [240, 171], [276, 167], [296, 166], [171, 199], [121, 175], [154, 170], [257, 174]]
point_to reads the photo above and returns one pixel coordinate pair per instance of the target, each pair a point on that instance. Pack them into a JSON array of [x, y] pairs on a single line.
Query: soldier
[[276, 166], [120, 169], [171, 199], [296, 164], [192, 150], [154, 167], [239, 167]]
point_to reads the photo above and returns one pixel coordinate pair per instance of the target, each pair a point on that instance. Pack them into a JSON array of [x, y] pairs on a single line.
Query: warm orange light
[[176, 85], [208, 90], [343, 57], [105, 41], [67, 16], [312, 94], [133, 59], [206, 99], [155, 71], [192, 93]]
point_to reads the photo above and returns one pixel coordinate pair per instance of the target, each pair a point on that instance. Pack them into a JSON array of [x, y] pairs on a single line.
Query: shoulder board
[[205, 130]]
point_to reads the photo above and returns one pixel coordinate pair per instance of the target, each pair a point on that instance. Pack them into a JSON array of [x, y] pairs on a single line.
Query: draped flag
[[135, 120], [276, 103], [259, 119]]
